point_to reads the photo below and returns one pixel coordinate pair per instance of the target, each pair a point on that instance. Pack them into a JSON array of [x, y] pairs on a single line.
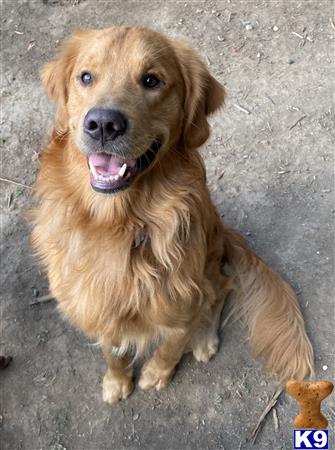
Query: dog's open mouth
[[111, 173]]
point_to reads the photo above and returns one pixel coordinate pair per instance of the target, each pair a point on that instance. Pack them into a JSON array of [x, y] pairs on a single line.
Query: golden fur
[[170, 290]]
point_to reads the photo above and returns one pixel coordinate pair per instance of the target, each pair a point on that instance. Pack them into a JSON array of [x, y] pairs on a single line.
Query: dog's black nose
[[104, 124]]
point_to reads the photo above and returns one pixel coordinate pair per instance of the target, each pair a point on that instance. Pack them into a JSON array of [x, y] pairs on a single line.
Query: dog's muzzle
[[111, 173]]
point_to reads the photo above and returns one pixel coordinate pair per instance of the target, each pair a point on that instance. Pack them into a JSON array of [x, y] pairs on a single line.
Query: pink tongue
[[107, 164]]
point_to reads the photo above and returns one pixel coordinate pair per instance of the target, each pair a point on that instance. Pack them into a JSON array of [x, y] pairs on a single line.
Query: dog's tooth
[[116, 177], [92, 167], [122, 170]]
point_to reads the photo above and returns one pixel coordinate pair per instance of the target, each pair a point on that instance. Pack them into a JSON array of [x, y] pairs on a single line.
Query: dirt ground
[[270, 171]]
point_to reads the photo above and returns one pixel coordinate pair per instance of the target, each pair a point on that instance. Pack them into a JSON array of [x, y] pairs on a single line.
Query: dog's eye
[[86, 78], [150, 81]]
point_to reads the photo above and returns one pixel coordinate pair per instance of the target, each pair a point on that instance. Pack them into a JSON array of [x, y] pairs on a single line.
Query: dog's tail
[[271, 311]]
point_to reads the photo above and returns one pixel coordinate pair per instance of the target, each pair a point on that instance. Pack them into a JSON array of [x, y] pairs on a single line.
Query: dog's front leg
[[117, 383], [158, 371]]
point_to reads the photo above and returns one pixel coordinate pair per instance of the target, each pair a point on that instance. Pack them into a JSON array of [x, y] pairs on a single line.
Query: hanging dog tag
[[141, 236]]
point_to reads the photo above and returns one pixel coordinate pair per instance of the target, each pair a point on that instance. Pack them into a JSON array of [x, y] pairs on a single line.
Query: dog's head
[[127, 96]]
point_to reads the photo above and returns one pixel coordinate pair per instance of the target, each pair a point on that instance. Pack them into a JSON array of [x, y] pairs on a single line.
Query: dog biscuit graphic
[[310, 396]]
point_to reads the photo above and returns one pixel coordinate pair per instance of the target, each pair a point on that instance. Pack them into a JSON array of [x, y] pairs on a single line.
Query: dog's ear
[[56, 74], [203, 95]]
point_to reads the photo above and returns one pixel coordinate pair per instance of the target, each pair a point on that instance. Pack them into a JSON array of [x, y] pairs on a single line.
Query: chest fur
[[109, 288]]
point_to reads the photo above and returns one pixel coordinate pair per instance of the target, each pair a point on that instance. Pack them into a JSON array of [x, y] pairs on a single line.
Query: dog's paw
[[205, 349], [153, 377], [115, 389]]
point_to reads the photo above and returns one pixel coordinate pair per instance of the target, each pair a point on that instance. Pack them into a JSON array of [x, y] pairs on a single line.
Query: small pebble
[[249, 27], [275, 28], [324, 368], [36, 292], [136, 416], [220, 38], [290, 61]]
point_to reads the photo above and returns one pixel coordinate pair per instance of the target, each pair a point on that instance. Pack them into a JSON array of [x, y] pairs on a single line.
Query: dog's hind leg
[[205, 341], [202, 340]]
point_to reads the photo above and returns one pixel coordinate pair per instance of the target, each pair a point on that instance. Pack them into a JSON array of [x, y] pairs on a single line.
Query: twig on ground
[[275, 420], [302, 43], [298, 121], [269, 98], [297, 34], [31, 45], [43, 299], [241, 109], [9, 200], [240, 47], [293, 108], [17, 183], [332, 23], [238, 393], [227, 140], [221, 174], [265, 412]]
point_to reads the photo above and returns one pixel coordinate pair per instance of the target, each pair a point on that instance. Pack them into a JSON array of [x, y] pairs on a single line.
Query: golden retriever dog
[[135, 251]]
